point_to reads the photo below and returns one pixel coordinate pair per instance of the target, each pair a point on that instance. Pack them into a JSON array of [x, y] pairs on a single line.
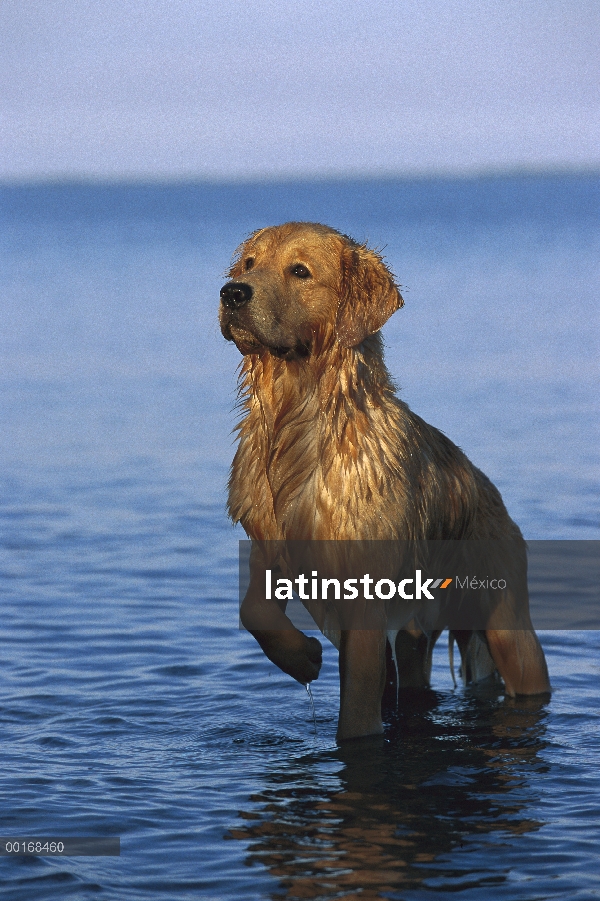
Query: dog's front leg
[[287, 647], [362, 680]]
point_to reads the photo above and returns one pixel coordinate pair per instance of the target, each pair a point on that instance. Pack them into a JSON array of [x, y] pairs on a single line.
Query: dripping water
[[312, 704]]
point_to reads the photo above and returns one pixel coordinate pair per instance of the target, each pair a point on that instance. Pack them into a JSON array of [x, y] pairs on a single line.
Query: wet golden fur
[[328, 451]]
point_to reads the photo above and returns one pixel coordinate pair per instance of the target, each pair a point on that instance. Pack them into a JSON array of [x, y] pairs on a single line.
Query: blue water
[[130, 702]]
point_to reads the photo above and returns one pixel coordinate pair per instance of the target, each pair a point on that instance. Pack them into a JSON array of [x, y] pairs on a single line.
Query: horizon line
[[132, 180]]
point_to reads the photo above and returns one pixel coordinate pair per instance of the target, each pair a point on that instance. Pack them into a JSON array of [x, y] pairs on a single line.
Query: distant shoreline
[[191, 181]]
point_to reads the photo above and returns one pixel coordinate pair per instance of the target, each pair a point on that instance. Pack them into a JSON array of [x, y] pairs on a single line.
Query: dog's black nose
[[235, 295]]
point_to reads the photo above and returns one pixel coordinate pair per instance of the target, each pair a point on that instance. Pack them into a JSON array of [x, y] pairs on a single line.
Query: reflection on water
[[401, 809]]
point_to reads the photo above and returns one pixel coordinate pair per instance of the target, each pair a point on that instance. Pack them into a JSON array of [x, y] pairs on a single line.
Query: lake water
[[131, 704]]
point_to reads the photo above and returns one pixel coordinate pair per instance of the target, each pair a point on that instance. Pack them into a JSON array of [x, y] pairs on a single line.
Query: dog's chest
[[305, 487], [309, 466]]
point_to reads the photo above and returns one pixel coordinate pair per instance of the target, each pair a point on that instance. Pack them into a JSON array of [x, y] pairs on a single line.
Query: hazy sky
[[189, 88]]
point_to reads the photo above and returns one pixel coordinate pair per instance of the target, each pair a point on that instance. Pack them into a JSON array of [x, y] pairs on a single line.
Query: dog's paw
[[314, 659], [303, 658], [297, 654]]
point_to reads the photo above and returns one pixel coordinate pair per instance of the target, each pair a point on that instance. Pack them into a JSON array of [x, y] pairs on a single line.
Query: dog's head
[[295, 287]]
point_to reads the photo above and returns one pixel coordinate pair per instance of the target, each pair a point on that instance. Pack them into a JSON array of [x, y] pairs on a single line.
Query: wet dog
[[327, 451]]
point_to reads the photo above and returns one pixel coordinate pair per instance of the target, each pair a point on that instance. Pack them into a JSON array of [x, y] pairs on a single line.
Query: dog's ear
[[368, 295]]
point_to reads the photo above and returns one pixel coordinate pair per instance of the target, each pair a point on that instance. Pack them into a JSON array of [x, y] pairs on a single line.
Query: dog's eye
[[248, 263], [300, 271]]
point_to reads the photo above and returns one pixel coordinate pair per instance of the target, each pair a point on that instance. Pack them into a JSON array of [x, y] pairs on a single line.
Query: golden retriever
[[328, 451]]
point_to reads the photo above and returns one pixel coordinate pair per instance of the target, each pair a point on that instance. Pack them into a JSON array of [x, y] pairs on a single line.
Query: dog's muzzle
[[235, 295]]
